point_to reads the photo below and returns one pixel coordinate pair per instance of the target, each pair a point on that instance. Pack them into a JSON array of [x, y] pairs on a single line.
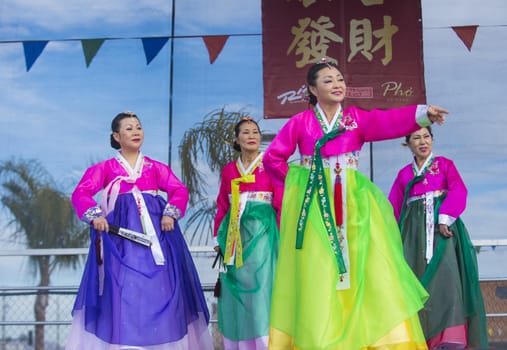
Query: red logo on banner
[[376, 43]]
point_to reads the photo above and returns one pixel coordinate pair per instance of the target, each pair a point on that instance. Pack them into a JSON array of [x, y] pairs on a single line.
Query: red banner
[[376, 43]]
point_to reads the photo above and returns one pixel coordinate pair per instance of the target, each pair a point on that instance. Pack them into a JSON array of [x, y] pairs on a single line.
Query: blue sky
[[60, 111]]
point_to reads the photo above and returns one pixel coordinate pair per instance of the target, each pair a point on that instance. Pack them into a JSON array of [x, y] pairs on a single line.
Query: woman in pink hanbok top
[[428, 197], [134, 296], [247, 234], [341, 281]]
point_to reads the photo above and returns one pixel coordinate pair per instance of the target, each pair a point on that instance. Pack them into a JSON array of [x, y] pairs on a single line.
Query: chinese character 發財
[[361, 39], [312, 40]]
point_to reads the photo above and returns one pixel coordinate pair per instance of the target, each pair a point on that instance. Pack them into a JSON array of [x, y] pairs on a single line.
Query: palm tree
[[210, 139], [42, 217]]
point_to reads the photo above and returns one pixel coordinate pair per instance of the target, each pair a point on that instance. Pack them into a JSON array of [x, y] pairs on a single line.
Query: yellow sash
[[233, 246]]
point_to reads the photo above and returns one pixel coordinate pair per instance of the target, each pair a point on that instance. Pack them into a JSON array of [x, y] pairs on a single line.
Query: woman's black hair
[[407, 138], [115, 126], [235, 145], [311, 77]]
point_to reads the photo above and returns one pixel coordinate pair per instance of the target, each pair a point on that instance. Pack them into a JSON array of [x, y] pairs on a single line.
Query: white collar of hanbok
[[329, 125], [135, 172], [420, 170], [252, 165]]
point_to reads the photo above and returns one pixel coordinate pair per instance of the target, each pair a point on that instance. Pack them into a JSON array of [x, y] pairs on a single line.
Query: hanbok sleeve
[[279, 151], [223, 203], [90, 184], [177, 192], [396, 195], [454, 203], [378, 125]]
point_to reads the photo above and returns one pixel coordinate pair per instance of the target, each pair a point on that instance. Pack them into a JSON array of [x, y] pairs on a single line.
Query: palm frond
[[42, 215], [199, 225], [209, 141]]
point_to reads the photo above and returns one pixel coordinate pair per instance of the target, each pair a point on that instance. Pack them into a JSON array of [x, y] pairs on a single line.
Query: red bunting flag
[[466, 34], [214, 44]]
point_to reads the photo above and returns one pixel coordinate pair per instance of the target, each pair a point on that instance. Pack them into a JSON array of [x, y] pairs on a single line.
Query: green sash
[[317, 185]]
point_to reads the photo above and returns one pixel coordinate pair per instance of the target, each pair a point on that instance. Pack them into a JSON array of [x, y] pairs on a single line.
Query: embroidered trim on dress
[[172, 211], [261, 196], [436, 193], [346, 160], [91, 214]]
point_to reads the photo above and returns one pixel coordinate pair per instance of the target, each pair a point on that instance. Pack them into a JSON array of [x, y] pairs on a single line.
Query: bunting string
[[152, 45]]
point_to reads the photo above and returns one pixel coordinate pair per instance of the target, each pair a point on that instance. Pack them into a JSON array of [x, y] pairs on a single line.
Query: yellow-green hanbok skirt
[[379, 308]]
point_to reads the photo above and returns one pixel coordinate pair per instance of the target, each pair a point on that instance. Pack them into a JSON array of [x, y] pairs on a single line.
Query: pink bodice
[[155, 176], [230, 171], [441, 175], [303, 130]]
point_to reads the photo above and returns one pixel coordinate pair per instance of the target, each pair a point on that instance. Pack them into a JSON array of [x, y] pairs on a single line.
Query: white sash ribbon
[[110, 194], [430, 225], [148, 228], [429, 209]]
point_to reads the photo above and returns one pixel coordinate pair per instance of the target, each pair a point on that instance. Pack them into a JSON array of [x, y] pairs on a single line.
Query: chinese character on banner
[[377, 45]]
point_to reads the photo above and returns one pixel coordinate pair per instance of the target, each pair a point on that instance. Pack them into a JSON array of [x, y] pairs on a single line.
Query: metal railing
[[16, 303]]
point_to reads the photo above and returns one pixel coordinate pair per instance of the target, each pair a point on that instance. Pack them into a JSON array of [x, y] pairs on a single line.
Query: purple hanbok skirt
[[129, 302]]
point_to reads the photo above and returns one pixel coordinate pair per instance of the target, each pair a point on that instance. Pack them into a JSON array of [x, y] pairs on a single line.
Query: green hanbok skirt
[[451, 277], [245, 300]]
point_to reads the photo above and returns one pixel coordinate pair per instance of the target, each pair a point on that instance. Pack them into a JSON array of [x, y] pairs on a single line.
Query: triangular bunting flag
[[90, 48], [33, 49], [466, 34], [214, 44], [152, 47]]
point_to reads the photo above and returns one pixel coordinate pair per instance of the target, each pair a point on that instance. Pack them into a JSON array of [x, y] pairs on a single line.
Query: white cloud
[[27, 18], [71, 13], [218, 15], [458, 12]]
